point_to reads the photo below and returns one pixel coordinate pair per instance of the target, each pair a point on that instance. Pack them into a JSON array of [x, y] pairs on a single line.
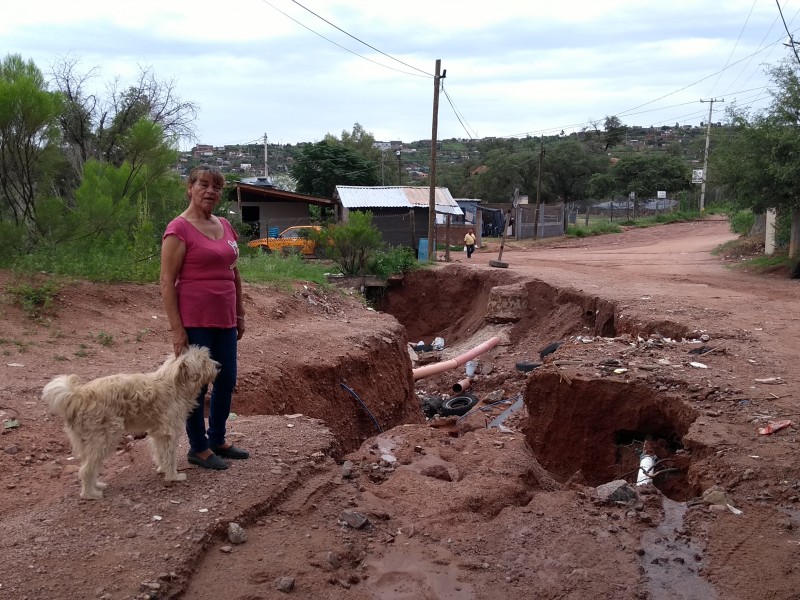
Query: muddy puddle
[[671, 561]]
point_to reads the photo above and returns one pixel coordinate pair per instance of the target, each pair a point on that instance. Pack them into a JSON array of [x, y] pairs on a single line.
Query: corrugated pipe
[[460, 386], [446, 365]]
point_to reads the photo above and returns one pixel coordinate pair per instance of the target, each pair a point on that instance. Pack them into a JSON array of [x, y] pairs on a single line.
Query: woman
[[469, 242], [202, 294]]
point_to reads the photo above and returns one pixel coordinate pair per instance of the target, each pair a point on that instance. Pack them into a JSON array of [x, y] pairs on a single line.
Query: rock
[[354, 519], [437, 472], [226, 549], [494, 396], [284, 584], [236, 535], [616, 491], [347, 469]]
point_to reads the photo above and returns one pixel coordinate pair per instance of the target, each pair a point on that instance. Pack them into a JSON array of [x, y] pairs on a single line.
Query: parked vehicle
[[293, 239]]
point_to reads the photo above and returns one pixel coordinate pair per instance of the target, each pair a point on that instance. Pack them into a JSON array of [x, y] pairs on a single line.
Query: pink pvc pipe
[[459, 360]]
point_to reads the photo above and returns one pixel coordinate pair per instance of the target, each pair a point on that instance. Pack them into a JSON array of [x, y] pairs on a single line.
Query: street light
[[399, 169]]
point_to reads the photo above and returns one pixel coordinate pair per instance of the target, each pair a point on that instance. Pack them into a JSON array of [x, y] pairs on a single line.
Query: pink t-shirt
[[205, 284]]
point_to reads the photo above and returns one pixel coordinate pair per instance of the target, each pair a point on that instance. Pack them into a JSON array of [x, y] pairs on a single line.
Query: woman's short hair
[[216, 175]]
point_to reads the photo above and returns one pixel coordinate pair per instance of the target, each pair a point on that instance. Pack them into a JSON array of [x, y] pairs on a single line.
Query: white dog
[[96, 413]]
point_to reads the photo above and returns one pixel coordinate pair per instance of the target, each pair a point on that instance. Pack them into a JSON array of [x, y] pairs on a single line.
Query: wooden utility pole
[[266, 167], [432, 196], [538, 191], [705, 156]]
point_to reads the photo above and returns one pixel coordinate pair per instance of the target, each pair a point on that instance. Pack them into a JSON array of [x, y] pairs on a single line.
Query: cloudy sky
[[298, 70]]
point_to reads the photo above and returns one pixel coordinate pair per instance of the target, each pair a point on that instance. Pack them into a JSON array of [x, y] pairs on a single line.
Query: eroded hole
[[595, 431]]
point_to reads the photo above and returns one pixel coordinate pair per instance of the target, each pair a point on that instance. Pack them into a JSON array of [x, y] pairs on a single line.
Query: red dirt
[[455, 510]]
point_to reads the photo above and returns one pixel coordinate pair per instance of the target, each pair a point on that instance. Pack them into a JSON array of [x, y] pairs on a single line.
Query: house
[[269, 210], [400, 213]]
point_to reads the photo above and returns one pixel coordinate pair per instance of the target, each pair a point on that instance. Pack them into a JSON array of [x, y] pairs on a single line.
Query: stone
[[616, 491], [236, 534], [284, 584], [354, 519]]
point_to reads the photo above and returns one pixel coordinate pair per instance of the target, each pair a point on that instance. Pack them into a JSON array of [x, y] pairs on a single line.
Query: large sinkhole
[[595, 431], [591, 431]]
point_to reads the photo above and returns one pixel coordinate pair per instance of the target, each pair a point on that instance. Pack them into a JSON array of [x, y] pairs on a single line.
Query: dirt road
[[350, 493]]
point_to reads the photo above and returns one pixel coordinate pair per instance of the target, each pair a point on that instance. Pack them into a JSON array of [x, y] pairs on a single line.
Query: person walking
[[469, 242], [202, 295]]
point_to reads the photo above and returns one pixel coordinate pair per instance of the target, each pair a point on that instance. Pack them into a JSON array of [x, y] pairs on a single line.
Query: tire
[[458, 406], [526, 367], [498, 263]]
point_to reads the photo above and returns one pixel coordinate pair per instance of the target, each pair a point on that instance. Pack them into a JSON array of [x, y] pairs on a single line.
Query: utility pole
[[266, 167], [432, 197], [538, 191], [705, 157]]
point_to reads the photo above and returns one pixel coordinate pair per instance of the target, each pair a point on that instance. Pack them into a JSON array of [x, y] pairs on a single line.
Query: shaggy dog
[[97, 412]]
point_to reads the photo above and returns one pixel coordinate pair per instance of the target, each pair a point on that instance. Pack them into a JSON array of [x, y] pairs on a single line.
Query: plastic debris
[[10, 424], [698, 365], [770, 380], [438, 343], [774, 426]]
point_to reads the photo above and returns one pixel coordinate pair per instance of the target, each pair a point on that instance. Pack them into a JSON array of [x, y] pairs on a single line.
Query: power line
[[458, 116], [339, 45], [361, 41], [789, 33], [736, 45]]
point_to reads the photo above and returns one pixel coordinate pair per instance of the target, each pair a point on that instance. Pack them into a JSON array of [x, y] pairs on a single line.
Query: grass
[[281, 271], [35, 299]]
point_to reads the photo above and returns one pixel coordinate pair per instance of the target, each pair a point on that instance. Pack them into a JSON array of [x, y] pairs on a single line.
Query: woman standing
[[202, 295]]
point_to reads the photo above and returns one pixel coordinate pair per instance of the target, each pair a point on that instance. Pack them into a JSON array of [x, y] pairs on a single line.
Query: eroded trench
[[590, 430]]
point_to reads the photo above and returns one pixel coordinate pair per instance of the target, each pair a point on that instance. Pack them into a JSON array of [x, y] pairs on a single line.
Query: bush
[[392, 261], [35, 299], [355, 242], [742, 222]]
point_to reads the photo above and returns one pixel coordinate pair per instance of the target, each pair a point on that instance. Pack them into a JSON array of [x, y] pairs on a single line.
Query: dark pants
[[470, 250], [222, 345]]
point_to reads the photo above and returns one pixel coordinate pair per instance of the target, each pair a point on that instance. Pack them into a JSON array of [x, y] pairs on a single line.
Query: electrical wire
[[361, 41], [339, 45], [458, 116], [736, 45]]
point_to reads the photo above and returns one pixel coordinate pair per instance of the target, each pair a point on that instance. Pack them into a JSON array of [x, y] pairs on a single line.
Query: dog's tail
[[58, 393]]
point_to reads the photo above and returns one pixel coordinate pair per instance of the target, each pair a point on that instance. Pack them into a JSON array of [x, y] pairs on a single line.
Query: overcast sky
[[514, 67]]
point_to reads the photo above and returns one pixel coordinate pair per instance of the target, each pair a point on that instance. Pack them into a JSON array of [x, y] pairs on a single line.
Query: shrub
[[392, 261], [355, 242], [35, 299], [742, 222]]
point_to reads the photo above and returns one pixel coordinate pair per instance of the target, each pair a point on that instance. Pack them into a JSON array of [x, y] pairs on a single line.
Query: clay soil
[[350, 492]]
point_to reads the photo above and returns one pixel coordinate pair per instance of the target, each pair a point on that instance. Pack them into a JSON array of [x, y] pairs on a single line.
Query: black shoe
[[212, 462], [231, 452]]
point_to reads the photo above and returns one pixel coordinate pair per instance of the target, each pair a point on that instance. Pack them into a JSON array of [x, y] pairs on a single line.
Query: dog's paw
[[176, 477], [92, 495], [100, 485]]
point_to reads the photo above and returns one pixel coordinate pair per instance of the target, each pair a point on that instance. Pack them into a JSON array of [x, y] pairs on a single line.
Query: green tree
[[29, 145], [98, 126], [645, 173], [322, 166], [355, 242], [759, 160]]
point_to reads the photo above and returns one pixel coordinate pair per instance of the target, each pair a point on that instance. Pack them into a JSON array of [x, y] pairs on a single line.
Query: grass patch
[[35, 299], [597, 228], [105, 339], [280, 272]]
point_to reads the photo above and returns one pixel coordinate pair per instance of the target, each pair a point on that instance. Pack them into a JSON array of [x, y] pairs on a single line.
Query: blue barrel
[[273, 232], [422, 253]]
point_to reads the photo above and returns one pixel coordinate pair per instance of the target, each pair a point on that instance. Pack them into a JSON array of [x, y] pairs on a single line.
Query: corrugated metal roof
[[355, 197]]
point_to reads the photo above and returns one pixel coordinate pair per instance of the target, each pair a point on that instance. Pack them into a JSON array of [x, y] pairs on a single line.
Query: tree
[[29, 138], [758, 161], [96, 127], [322, 166], [645, 173], [614, 132]]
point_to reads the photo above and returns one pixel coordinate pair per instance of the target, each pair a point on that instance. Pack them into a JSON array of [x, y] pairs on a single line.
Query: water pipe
[[453, 363], [462, 385]]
